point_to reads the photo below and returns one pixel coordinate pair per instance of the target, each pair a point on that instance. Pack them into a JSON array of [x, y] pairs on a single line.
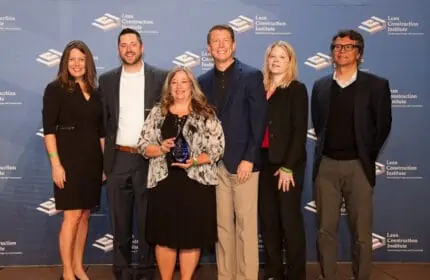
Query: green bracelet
[[286, 170], [195, 162], [51, 155]]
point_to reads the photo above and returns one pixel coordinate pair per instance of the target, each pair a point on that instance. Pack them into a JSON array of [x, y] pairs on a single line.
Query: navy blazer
[[372, 118], [109, 85], [243, 115]]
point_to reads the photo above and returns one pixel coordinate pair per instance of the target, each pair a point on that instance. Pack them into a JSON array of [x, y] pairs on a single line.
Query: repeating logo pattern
[[379, 168], [373, 25], [312, 135], [40, 132], [187, 59], [107, 22], [48, 207], [312, 207], [378, 241], [319, 61], [50, 58], [104, 243], [241, 24]]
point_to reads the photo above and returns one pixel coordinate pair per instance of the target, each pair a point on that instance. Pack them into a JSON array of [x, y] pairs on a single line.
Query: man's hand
[[244, 171]]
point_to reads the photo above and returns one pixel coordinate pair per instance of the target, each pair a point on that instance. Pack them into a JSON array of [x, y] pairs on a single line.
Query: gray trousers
[[337, 180]]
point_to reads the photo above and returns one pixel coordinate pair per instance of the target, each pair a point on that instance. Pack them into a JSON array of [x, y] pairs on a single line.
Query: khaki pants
[[237, 246]]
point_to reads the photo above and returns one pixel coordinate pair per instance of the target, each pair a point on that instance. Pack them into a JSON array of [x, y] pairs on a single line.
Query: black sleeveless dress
[[78, 126], [181, 211]]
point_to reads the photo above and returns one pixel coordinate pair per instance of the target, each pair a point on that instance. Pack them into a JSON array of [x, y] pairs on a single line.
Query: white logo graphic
[[40, 132], [241, 24], [378, 241], [373, 25], [312, 207], [50, 58], [105, 243], [379, 168], [319, 61], [187, 59], [107, 22], [311, 134], [48, 207]]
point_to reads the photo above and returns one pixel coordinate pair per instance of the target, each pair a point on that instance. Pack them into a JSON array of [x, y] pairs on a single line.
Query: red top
[[265, 143]]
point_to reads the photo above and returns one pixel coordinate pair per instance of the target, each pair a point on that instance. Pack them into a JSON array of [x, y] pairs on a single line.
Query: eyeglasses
[[346, 47]]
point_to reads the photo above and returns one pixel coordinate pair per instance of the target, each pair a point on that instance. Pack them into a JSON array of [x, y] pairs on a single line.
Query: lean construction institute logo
[[378, 241], [49, 58], [373, 25], [241, 24], [319, 61], [107, 22], [311, 206], [104, 243], [379, 168], [312, 135], [48, 207], [187, 59]]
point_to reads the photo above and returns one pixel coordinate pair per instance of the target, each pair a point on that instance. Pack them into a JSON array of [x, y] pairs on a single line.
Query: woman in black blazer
[[283, 154]]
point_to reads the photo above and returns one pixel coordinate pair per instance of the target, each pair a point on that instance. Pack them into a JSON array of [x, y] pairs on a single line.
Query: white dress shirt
[[131, 107]]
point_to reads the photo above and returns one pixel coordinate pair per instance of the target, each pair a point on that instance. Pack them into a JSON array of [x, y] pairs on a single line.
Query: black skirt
[[181, 213]]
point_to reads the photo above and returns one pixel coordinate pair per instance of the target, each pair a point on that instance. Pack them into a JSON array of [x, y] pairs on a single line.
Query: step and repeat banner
[[34, 33]]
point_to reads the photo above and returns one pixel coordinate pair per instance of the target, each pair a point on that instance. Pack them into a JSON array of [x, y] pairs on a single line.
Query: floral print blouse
[[203, 135]]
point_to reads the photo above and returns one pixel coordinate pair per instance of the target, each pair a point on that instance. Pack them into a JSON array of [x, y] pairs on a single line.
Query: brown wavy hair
[[90, 76], [199, 103], [290, 75]]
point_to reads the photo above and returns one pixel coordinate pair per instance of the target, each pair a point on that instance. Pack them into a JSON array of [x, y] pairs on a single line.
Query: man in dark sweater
[[351, 114]]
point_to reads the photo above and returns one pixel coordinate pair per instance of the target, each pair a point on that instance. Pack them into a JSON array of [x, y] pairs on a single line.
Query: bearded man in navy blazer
[[351, 114], [237, 92], [128, 93]]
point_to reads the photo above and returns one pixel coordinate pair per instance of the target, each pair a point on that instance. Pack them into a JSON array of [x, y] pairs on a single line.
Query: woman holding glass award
[[184, 140]]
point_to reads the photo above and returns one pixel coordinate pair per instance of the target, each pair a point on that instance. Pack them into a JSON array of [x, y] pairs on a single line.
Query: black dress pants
[[281, 224], [127, 196]]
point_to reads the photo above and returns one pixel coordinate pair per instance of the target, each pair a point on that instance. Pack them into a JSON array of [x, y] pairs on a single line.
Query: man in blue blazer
[[351, 114], [237, 92], [128, 93]]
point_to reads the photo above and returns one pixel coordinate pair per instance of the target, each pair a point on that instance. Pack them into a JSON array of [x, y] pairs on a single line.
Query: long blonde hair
[[290, 75], [199, 103]]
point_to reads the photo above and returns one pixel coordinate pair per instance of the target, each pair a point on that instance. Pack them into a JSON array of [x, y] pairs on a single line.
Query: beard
[[135, 61]]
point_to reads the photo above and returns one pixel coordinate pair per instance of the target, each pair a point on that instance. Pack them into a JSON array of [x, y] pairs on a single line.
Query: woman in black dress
[[182, 203], [74, 139]]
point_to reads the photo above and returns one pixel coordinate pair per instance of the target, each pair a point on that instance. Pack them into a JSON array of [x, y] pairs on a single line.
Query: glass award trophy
[[181, 151]]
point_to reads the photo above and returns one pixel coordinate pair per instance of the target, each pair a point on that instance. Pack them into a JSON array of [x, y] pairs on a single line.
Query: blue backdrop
[[32, 37]]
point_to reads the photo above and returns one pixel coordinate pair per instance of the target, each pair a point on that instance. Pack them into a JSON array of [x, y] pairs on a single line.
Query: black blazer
[[372, 118], [109, 85], [243, 115], [288, 124]]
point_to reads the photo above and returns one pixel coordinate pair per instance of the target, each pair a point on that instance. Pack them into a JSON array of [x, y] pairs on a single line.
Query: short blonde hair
[[290, 75], [199, 102]]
